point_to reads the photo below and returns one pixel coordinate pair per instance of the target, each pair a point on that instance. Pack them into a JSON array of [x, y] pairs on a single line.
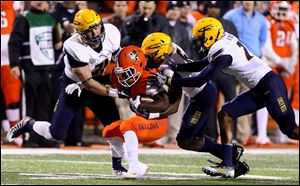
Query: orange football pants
[[146, 130], [11, 86]]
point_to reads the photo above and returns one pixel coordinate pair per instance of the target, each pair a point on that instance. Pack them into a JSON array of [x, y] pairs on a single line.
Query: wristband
[[154, 115]]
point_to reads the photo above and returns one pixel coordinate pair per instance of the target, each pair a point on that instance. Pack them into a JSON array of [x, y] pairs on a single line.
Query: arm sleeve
[[208, 73], [18, 36], [195, 66]]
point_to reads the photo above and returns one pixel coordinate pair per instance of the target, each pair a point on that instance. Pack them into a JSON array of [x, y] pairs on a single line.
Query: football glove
[[170, 61], [72, 87], [159, 80], [123, 94]]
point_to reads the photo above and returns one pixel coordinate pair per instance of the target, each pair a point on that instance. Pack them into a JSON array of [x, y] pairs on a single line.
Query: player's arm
[[160, 103], [174, 99], [195, 66], [88, 82], [208, 73]]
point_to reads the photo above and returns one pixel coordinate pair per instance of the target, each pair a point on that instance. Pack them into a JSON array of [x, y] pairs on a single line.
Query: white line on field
[[42, 151], [109, 163], [148, 176]]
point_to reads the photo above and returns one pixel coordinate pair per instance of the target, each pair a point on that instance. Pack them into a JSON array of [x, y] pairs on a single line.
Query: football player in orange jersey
[[281, 53], [10, 85], [146, 126]]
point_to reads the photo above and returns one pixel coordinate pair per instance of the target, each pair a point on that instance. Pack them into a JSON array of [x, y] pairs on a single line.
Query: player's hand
[[135, 103], [15, 71], [170, 61], [123, 94], [159, 80], [72, 87]]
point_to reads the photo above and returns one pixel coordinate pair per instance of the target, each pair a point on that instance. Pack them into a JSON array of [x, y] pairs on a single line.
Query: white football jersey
[[180, 57], [83, 53], [245, 66]]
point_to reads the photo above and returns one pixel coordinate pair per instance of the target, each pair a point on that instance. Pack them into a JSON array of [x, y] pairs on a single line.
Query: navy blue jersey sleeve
[[73, 62], [195, 66], [208, 73]]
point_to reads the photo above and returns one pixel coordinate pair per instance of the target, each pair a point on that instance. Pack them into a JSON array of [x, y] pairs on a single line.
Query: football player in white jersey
[[159, 49], [87, 54], [267, 89]]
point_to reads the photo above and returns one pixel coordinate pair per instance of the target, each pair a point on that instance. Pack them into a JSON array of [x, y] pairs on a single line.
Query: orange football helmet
[[131, 63], [280, 10]]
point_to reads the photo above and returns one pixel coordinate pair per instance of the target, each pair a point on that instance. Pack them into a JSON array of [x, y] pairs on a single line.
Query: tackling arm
[[89, 83], [208, 73], [195, 66]]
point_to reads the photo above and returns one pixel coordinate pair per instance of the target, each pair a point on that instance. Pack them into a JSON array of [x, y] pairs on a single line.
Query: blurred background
[[264, 27]]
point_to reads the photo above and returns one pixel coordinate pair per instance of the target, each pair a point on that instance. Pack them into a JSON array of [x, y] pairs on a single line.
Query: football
[[145, 98]]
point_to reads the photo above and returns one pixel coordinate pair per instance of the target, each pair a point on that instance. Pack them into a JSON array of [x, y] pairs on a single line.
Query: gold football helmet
[[156, 46], [85, 21], [206, 32]]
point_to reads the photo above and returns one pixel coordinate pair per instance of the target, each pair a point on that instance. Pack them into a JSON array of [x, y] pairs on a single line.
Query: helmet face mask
[[280, 10], [87, 35], [128, 76], [198, 44]]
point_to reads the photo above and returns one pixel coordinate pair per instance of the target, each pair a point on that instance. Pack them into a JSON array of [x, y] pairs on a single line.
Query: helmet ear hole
[[211, 38]]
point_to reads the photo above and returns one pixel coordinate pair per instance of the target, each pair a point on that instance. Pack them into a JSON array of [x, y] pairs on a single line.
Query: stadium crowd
[[30, 77]]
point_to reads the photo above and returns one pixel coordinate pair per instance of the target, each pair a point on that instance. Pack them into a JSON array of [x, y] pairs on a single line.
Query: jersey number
[[4, 21], [247, 54], [283, 38]]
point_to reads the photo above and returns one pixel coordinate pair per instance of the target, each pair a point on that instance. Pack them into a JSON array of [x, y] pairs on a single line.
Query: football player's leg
[[230, 111], [105, 109], [114, 137], [280, 108], [130, 129], [190, 136]]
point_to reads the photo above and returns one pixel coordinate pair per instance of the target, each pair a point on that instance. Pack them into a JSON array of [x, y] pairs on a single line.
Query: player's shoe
[[119, 172], [20, 128], [136, 172], [219, 170], [237, 152], [241, 168]]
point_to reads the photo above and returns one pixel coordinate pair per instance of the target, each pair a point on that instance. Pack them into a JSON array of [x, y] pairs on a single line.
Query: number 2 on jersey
[[247, 54]]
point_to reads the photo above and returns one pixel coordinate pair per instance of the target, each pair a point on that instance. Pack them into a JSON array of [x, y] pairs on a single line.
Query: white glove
[[165, 69], [72, 87], [135, 103], [115, 93]]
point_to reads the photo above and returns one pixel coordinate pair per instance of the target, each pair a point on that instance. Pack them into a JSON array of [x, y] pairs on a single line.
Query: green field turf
[[275, 169]]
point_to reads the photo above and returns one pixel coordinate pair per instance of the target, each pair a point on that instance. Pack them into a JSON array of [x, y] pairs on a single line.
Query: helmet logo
[[133, 55]]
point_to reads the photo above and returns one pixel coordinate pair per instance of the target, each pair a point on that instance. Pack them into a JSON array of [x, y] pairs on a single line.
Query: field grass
[[165, 169]]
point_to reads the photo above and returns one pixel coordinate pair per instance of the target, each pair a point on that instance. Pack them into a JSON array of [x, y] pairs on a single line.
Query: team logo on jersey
[[44, 42]]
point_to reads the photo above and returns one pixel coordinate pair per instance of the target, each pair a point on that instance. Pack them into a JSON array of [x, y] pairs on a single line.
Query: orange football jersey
[[7, 17], [281, 32]]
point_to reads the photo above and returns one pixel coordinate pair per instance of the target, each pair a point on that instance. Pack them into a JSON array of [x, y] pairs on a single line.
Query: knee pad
[[194, 144]]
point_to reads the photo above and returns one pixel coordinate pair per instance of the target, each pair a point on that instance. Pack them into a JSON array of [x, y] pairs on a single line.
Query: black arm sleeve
[[208, 73], [195, 66], [19, 34]]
